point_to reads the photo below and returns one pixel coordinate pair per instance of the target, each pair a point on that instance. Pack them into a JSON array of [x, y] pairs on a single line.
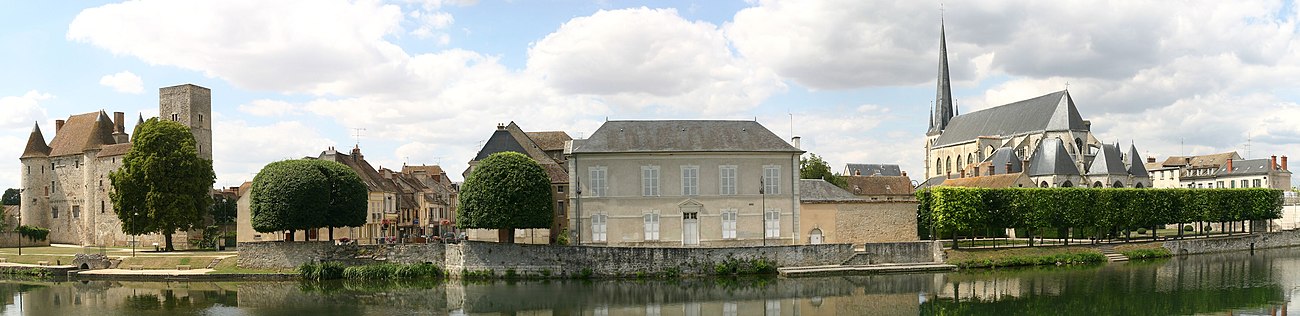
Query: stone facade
[[859, 223], [534, 259]]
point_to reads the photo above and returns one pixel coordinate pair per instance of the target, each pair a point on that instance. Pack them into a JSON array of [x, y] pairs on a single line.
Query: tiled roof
[[82, 132], [557, 173], [550, 140], [880, 185], [114, 150], [1051, 159], [1202, 161], [431, 170], [820, 191], [369, 175], [501, 141], [1002, 157], [36, 146], [1052, 112], [683, 136], [866, 169], [1006, 180]]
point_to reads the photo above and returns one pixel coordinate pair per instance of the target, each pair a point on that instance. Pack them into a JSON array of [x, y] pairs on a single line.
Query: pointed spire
[[1136, 167], [943, 109], [36, 146]]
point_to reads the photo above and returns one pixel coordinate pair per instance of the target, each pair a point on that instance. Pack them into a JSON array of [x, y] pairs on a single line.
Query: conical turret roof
[[36, 146], [1135, 165]]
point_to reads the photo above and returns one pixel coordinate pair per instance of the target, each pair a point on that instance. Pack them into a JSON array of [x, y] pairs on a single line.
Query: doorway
[[816, 237], [691, 229]]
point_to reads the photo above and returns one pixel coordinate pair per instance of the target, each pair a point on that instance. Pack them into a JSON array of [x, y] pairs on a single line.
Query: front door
[[690, 229], [816, 237]]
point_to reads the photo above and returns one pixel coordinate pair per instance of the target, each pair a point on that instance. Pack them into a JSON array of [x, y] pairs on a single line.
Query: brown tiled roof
[[557, 173], [36, 146], [432, 170], [1202, 161], [82, 132], [550, 140], [879, 185], [374, 181], [1006, 180], [114, 150]]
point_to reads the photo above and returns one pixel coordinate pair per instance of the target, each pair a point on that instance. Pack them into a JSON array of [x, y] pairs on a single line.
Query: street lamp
[[132, 224], [19, 218], [763, 193]]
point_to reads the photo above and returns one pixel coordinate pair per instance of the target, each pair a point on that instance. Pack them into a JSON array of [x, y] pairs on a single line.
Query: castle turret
[[35, 179]]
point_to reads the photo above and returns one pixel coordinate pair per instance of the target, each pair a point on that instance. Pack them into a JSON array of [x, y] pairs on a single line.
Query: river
[[1264, 283]]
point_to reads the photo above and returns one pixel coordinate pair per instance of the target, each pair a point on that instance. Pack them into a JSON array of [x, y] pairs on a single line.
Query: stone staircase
[[213, 264], [1111, 254]]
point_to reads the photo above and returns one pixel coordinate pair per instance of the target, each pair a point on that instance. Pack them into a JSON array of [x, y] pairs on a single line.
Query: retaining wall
[[538, 259], [905, 252], [11, 240], [1243, 242]]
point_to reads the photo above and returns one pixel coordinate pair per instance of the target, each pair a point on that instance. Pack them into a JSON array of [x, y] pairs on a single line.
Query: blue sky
[[429, 80]]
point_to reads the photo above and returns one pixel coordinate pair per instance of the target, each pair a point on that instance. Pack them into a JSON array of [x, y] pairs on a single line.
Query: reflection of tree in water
[[143, 302]]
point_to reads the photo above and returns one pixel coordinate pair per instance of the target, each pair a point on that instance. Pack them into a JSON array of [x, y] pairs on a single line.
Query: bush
[[1142, 231], [32, 233], [1208, 228], [732, 266], [1188, 228], [322, 271], [382, 271], [1148, 253]]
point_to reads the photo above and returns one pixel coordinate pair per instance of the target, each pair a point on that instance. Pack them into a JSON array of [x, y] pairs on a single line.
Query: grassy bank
[[1147, 250], [988, 258]]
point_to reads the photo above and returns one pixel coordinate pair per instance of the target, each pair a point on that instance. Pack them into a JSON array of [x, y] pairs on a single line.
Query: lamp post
[[762, 192], [577, 229], [19, 218], [132, 224]]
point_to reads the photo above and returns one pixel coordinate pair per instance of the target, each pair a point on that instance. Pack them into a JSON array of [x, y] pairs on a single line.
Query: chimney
[[1024, 167], [58, 125], [1284, 163], [1151, 159], [975, 172], [905, 172], [795, 141], [501, 126], [119, 122], [1229, 165], [948, 175], [356, 153], [1274, 165], [1008, 167], [857, 172]]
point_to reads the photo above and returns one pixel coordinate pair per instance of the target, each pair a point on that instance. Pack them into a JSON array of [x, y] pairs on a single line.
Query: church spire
[[943, 110]]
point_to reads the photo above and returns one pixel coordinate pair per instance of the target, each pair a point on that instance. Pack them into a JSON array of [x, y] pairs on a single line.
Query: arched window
[[938, 166], [1118, 185], [1096, 184], [1138, 185], [960, 166], [1067, 184], [1044, 184], [947, 165], [970, 158]]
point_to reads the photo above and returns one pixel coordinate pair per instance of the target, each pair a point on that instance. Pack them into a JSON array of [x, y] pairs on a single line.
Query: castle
[[65, 184]]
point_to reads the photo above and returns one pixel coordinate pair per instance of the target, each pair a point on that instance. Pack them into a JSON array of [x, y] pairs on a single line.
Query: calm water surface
[[1225, 284]]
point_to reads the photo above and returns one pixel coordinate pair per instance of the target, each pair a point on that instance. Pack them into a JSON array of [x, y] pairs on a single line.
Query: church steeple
[[943, 109]]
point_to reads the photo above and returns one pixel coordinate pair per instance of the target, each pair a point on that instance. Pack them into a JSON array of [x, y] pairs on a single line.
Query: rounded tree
[[506, 191], [163, 185], [306, 194]]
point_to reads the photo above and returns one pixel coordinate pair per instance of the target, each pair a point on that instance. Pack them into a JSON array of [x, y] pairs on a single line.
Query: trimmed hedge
[[955, 209]]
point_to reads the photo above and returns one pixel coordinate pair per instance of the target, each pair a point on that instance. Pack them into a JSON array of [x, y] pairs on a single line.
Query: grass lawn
[[230, 266]]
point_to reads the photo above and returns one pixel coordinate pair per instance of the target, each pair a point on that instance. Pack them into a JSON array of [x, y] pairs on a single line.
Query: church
[[65, 184], [1042, 138]]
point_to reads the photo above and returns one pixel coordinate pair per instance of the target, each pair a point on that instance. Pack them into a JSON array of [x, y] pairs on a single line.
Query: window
[[772, 223], [54, 211], [1257, 183], [651, 225], [29, 169], [729, 309], [728, 224], [1219, 184], [559, 208], [176, 118], [690, 180], [76, 211], [598, 228], [649, 180], [772, 308], [772, 179], [101, 207], [598, 186], [727, 180], [200, 118], [559, 189], [1245, 184], [1232, 184]]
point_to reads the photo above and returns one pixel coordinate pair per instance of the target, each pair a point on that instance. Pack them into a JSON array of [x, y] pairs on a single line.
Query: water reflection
[[1208, 284]]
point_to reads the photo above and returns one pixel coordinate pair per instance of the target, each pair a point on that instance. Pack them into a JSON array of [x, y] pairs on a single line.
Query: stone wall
[[11, 240], [905, 252], [877, 222], [1243, 242], [538, 259]]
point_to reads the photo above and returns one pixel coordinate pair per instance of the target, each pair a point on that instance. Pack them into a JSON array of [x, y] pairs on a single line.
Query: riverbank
[[968, 258]]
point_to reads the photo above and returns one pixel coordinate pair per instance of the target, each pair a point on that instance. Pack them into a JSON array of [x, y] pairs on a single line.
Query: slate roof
[[1051, 112], [683, 136], [36, 146], [1002, 157], [1136, 167], [879, 185], [1107, 162], [867, 169], [550, 140], [1006, 180], [1248, 167], [932, 182], [82, 132], [1051, 159], [820, 191], [501, 141]]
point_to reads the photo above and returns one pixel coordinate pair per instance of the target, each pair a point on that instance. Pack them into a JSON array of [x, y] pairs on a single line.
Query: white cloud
[[264, 107], [241, 149], [125, 82], [22, 111]]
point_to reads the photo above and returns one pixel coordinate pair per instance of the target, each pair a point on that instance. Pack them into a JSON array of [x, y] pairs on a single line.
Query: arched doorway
[[816, 237]]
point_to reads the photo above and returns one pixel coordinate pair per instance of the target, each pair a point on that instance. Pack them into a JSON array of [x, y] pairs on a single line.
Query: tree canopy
[[506, 191], [813, 167], [163, 180], [11, 197], [307, 194]]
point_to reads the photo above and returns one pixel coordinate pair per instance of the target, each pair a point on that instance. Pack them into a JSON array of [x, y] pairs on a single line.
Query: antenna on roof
[[787, 112], [1067, 86], [1247, 146], [356, 132]]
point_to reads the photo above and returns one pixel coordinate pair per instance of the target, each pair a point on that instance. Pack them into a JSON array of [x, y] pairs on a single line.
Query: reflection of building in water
[[98, 297], [990, 288]]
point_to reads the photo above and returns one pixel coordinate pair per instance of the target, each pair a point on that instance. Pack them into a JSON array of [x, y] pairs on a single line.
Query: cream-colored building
[[831, 215], [65, 183], [684, 183]]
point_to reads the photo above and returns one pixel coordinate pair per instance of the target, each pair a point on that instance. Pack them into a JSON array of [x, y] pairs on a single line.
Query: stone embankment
[[1234, 243]]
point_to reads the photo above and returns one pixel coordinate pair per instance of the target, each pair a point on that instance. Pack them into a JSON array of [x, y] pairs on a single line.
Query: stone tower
[[36, 180], [190, 105]]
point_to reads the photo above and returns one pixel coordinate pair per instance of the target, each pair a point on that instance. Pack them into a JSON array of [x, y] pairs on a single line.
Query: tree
[[224, 210], [11, 197], [164, 180], [306, 194], [506, 191], [814, 167]]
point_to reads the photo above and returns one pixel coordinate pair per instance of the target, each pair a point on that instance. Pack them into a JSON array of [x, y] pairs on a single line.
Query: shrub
[[1060, 258], [1148, 253], [585, 273], [384, 271], [32, 233], [1188, 228], [1142, 231]]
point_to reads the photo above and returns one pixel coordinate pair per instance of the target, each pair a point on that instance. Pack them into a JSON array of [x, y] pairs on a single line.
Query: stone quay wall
[[905, 252], [1238, 243], [538, 259]]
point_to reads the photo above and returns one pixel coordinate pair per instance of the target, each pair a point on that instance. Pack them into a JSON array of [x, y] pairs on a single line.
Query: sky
[[426, 82]]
